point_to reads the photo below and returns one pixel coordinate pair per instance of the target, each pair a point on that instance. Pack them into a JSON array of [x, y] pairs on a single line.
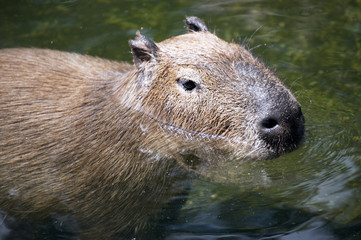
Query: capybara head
[[217, 94]]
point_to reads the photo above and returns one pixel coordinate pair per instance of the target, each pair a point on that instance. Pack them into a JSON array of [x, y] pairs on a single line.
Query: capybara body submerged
[[107, 142]]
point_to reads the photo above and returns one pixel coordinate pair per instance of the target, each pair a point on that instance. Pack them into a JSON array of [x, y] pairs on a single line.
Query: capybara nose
[[283, 130]]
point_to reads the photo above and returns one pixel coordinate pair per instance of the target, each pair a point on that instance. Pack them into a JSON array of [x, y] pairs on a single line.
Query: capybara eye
[[187, 85]]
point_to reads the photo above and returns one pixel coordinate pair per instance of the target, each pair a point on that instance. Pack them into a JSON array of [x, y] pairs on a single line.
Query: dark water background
[[315, 46]]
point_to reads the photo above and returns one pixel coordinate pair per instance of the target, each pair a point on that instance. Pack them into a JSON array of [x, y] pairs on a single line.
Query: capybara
[[107, 143]]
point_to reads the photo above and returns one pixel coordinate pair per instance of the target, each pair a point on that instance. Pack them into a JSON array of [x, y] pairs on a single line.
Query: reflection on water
[[312, 193]]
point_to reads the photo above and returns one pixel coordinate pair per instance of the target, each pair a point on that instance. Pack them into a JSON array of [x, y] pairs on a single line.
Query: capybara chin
[[108, 142]]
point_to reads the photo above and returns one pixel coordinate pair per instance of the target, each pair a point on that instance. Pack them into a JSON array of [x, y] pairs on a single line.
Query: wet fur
[[110, 143]]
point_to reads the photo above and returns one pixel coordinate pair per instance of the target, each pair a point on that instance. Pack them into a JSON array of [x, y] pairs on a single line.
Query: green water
[[315, 46]]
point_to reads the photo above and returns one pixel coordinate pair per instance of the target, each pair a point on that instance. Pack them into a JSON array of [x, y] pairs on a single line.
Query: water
[[315, 46]]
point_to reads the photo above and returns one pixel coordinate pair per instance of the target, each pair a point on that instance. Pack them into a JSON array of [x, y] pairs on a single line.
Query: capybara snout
[[282, 129]]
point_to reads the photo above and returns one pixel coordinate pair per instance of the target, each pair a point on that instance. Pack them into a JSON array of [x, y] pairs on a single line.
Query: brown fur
[[107, 141]]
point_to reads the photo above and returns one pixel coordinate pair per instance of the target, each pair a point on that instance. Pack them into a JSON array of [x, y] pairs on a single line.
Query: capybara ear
[[143, 49], [195, 24]]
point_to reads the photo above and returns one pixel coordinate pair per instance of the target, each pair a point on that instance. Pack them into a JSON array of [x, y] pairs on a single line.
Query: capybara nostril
[[268, 124]]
